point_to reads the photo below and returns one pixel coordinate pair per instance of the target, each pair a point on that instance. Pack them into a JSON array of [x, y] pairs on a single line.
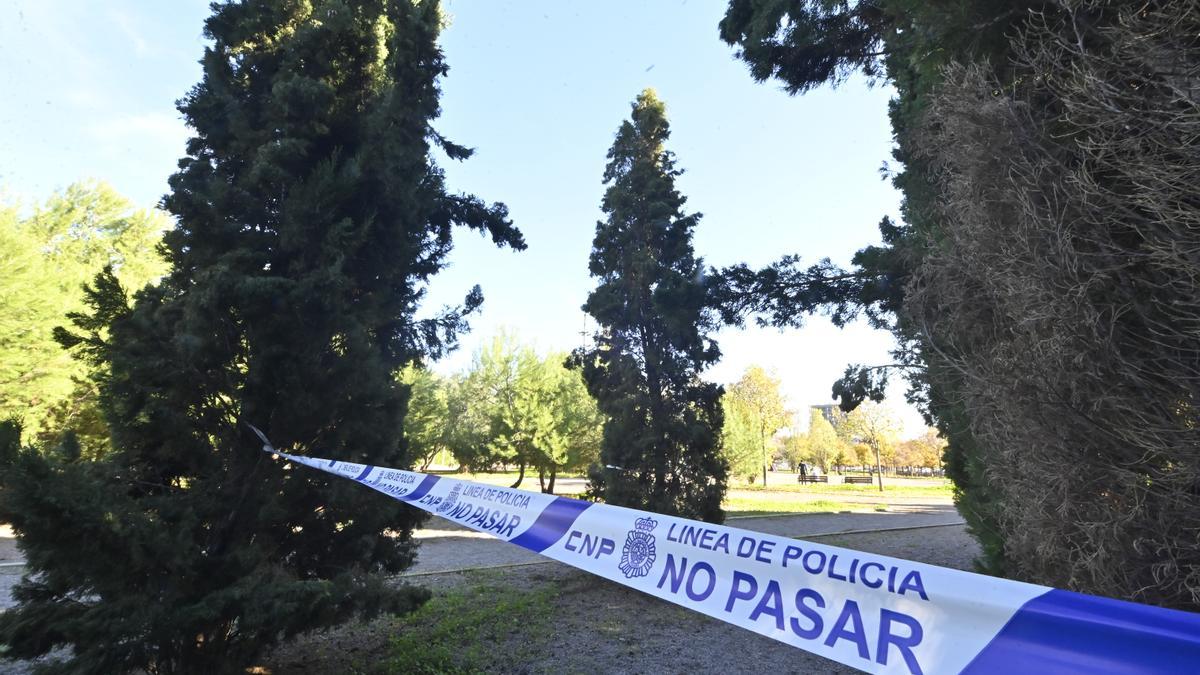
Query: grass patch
[[462, 630], [766, 505], [893, 489], [507, 478]]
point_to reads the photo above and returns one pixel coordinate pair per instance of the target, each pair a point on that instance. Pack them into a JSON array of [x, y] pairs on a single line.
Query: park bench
[[812, 479], [857, 480]]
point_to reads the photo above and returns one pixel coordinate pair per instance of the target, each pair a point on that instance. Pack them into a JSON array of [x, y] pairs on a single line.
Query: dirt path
[[596, 626]]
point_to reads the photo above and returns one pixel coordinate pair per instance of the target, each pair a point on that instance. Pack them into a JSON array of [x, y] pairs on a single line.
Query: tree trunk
[[762, 438], [553, 475], [542, 480], [520, 477], [879, 468]]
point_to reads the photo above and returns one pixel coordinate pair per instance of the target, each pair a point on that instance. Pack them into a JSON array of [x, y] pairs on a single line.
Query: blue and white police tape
[[872, 612]]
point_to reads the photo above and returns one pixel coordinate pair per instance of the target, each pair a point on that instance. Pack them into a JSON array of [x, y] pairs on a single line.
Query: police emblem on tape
[[451, 500], [638, 555]]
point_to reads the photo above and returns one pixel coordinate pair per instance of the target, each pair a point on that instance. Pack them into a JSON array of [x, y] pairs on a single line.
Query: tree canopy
[[310, 216], [1037, 254], [876, 427], [759, 410], [47, 257], [517, 408], [739, 440], [425, 423], [662, 431], [822, 445]]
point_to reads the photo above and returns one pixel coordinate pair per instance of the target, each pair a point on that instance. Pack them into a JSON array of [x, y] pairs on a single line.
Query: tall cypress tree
[[310, 215], [661, 440]]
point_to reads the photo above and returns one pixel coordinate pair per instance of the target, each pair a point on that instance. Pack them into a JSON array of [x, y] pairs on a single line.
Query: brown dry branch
[[1063, 292]]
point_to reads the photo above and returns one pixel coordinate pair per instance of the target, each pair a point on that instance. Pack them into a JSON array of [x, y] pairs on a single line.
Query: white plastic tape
[[872, 612]]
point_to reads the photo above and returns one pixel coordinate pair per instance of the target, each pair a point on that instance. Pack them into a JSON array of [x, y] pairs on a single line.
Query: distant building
[[830, 412]]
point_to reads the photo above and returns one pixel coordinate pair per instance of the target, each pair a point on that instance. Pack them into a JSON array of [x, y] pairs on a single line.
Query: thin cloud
[[152, 128], [126, 25]]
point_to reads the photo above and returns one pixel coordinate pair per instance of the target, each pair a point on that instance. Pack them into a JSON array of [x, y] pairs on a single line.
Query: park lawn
[[459, 631], [891, 488], [773, 501], [837, 492], [767, 504], [505, 478]]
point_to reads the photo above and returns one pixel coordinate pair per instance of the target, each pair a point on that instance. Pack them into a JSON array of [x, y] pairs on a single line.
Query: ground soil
[[602, 627]]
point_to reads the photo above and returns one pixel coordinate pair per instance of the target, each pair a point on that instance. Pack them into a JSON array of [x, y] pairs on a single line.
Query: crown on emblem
[[645, 524]]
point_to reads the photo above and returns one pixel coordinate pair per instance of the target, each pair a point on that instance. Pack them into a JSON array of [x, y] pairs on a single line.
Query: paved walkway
[[8, 546], [448, 547]]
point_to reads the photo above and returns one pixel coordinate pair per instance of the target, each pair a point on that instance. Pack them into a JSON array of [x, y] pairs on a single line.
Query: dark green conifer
[[810, 43], [660, 448], [310, 216]]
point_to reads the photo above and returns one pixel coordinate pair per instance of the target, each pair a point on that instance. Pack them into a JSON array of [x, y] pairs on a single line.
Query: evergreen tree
[[661, 440], [310, 215], [810, 43]]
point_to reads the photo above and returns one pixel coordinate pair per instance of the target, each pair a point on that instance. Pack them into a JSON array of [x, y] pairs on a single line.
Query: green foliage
[[739, 439], [310, 217], [578, 421], [822, 445], [514, 407], [1072, 340], [759, 413], [1046, 159], [47, 257], [460, 631], [661, 439], [808, 43], [425, 426], [508, 385], [815, 42]]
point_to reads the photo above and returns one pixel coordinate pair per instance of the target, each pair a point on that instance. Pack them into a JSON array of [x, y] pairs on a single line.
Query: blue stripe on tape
[[422, 489], [1065, 632], [366, 470], [551, 525]]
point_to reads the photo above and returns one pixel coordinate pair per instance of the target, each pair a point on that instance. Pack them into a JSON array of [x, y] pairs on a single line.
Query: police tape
[[871, 612]]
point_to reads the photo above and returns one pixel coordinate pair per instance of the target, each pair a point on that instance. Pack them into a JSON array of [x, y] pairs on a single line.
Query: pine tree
[[661, 442], [310, 215]]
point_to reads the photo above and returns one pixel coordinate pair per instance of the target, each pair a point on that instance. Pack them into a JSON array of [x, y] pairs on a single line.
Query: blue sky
[[538, 88]]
